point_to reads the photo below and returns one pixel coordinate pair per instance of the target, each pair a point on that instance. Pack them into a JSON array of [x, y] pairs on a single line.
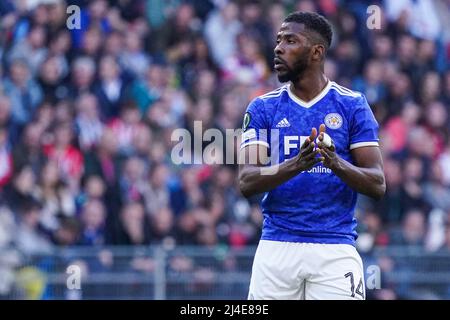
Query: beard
[[295, 72]]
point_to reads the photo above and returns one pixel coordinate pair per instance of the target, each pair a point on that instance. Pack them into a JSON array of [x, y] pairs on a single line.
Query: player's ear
[[318, 52]]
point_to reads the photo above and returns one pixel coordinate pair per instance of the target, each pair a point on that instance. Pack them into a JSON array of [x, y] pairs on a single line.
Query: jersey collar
[[310, 103]]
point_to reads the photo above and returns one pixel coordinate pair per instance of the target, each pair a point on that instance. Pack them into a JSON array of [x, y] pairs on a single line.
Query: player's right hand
[[306, 158]]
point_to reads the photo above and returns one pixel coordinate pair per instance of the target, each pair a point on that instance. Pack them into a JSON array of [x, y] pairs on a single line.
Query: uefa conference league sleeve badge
[[246, 121]]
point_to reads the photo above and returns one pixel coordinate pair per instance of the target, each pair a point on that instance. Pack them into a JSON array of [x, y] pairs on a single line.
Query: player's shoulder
[[346, 94], [267, 103], [272, 95]]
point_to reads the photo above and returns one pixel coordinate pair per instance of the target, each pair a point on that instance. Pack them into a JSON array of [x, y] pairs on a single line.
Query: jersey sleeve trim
[[364, 144]]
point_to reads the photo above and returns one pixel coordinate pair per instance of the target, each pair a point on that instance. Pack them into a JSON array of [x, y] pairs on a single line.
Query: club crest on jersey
[[333, 120]]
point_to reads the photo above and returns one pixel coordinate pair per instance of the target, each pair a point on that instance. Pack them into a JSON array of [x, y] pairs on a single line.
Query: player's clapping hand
[[328, 153], [306, 158]]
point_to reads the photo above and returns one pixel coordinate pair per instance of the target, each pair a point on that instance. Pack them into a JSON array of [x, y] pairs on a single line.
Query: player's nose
[[278, 49]]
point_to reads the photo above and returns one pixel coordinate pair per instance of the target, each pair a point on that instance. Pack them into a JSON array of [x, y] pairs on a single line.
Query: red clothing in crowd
[[70, 161]]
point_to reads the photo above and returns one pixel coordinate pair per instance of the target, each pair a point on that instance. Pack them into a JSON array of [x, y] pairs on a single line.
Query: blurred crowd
[[87, 114]]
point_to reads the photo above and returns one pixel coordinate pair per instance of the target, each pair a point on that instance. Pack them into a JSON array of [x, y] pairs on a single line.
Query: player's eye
[[291, 41], [278, 41]]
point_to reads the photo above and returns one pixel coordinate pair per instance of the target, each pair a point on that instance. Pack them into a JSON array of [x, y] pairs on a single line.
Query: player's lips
[[279, 64]]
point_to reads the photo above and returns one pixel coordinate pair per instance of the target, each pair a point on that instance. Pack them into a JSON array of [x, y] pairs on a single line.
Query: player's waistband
[[307, 237]]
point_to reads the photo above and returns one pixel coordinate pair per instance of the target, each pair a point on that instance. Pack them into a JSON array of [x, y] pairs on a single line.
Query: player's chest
[[293, 124]]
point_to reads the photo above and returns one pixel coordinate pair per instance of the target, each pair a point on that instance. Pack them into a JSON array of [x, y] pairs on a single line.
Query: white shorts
[[311, 271]]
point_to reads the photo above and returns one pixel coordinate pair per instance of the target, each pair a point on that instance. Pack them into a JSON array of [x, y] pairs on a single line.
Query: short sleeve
[[254, 127], [364, 126]]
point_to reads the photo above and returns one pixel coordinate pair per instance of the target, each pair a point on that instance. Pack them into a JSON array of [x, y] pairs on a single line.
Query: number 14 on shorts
[[359, 289]]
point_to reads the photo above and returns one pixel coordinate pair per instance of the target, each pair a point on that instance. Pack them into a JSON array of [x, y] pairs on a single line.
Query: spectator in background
[[29, 150], [111, 88], [142, 144], [45, 115], [114, 44], [94, 188], [57, 16], [60, 45], [230, 111], [186, 228], [21, 188], [64, 112], [94, 17], [444, 161], [132, 57], [29, 238], [88, 124], [346, 56], [50, 78], [445, 248], [147, 91], [253, 22], [371, 84], [430, 87], [187, 194], [157, 193], [436, 119], [413, 191], [66, 155], [399, 92], [93, 219], [247, 65], [83, 72], [446, 88], [126, 127], [134, 228], [103, 159], [413, 230], [91, 43], [371, 233], [391, 205], [6, 159], [32, 49], [420, 15], [223, 24], [23, 92], [382, 48], [163, 227], [68, 232], [181, 27], [54, 195], [197, 60], [436, 193], [397, 127], [5, 111], [132, 182]]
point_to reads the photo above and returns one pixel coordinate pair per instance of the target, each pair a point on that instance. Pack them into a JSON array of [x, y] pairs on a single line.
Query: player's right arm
[[255, 177]]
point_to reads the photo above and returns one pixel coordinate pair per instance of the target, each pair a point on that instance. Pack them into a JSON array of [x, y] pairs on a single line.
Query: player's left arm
[[365, 176]]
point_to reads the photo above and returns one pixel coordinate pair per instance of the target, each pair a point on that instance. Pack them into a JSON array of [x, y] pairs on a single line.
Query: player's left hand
[[329, 155]]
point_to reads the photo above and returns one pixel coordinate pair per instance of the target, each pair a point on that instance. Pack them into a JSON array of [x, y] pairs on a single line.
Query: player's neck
[[309, 86]]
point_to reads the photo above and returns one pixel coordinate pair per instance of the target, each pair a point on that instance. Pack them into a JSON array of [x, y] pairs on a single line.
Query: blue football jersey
[[315, 206]]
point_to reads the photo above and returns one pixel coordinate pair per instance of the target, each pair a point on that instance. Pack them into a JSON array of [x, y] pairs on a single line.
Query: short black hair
[[315, 22]]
